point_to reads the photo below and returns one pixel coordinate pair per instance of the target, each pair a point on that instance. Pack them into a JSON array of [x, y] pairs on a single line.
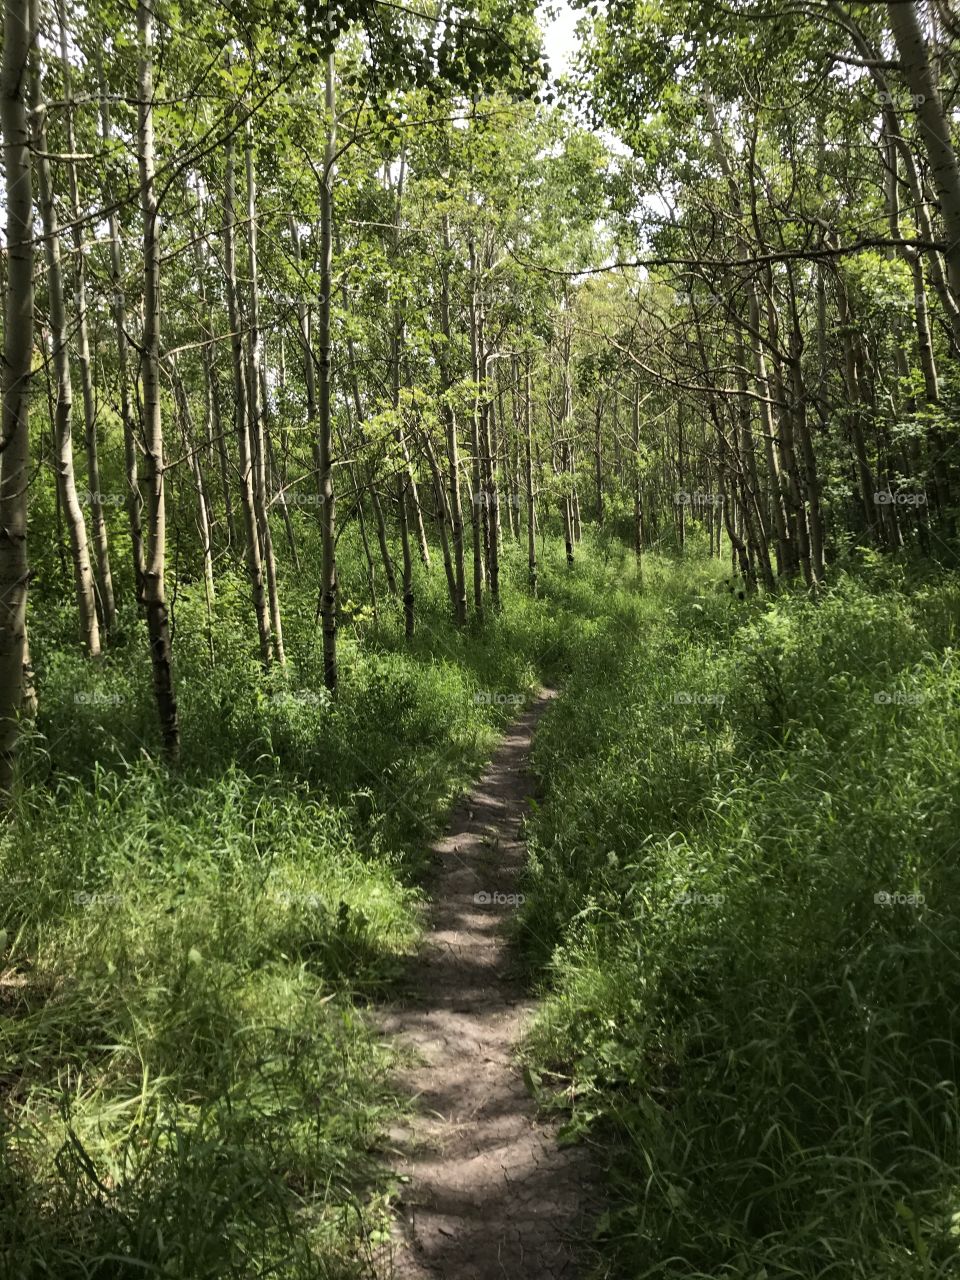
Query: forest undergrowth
[[742, 902], [739, 906], [190, 1087]]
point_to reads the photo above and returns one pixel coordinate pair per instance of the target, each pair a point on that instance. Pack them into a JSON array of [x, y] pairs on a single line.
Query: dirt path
[[490, 1194]]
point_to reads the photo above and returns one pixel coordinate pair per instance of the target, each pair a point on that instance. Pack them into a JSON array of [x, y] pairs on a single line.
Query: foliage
[[741, 897]]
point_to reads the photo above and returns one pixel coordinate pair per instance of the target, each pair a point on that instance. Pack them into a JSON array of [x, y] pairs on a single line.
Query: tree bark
[[104, 579], [119, 309], [934, 125], [491, 492], [528, 475], [63, 416], [19, 33], [158, 623], [637, 490], [450, 429], [328, 567], [476, 496], [255, 408], [375, 503], [241, 415], [193, 449]]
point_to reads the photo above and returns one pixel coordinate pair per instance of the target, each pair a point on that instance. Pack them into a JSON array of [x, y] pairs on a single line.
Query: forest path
[[490, 1194]]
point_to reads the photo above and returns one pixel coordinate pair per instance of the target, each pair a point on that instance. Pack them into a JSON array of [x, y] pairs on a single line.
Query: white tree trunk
[[19, 24]]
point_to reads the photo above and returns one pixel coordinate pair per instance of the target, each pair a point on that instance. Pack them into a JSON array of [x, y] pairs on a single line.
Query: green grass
[[190, 1087], [764, 1052]]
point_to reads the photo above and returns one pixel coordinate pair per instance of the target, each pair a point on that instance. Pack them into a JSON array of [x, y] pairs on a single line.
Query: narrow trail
[[490, 1194]]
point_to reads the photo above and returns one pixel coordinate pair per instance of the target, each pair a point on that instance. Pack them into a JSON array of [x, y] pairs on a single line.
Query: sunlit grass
[[190, 1086], [742, 898]]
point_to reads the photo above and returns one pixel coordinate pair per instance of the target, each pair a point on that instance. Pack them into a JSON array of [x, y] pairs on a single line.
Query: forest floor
[[489, 1192]]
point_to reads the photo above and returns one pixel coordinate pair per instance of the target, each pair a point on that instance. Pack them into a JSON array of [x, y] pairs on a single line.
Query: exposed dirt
[[490, 1193]]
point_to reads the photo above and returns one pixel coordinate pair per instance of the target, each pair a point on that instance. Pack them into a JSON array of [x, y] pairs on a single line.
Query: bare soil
[[489, 1194]]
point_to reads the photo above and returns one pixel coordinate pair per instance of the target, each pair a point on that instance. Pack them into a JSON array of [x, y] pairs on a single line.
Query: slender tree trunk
[[528, 475], [51, 418], [104, 579], [566, 428], [193, 448], [811, 477], [786, 557], [810, 470], [66, 480], [750, 480], [598, 457], [217, 441], [505, 450], [793, 499], [241, 416], [375, 503], [492, 495], [638, 531], [685, 496], [450, 428], [278, 473], [443, 516], [361, 518], [475, 462], [727, 508], [328, 510], [223, 456], [255, 408], [416, 508], [934, 125], [855, 396], [402, 482], [134, 499], [19, 32], [155, 602]]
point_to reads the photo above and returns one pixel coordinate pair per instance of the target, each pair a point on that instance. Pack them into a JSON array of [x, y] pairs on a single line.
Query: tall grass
[[743, 898], [190, 1087], [740, 900]]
